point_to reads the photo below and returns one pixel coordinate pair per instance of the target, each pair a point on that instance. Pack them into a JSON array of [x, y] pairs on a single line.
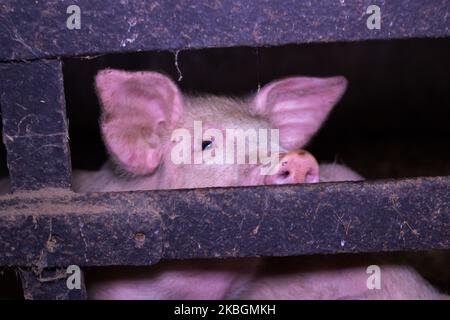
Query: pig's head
[[152, 130]]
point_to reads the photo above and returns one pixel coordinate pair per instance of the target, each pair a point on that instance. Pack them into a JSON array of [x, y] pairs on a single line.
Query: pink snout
[[295, 167]]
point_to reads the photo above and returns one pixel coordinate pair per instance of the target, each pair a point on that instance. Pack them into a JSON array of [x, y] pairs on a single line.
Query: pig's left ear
[[297, 106], [139, 109]]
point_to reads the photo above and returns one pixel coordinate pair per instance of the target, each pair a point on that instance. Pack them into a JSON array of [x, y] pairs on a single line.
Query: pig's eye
[[206, 144]]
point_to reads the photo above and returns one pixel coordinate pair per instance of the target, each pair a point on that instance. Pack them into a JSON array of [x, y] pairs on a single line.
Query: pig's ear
[[139, 109], [297, 106]]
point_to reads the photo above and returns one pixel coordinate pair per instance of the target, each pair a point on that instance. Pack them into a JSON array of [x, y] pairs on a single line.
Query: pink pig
[[142, 110]]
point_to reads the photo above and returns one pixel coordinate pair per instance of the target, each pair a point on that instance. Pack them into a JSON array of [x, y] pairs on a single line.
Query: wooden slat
[[35, 125], [51, 229], [38, 30]]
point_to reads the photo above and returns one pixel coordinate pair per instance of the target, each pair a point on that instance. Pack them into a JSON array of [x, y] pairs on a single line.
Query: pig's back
[[330, 172], [337, 277]]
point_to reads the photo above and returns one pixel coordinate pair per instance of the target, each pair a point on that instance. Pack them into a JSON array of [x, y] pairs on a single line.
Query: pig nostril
[[285, 174]]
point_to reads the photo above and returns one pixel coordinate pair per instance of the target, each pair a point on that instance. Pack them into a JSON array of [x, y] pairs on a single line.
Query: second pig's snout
[[295, 167]]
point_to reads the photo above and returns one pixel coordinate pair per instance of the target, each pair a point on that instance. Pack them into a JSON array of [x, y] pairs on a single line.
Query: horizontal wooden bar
[[57, 228], [35, 124], [39, 31]]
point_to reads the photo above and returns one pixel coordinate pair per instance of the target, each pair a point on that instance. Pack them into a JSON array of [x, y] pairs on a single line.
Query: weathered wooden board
[[56, 228], [51, 228], [35, 125], [39, 30]]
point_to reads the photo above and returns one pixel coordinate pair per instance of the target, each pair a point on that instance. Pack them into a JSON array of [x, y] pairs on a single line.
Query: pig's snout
[[295, 167]]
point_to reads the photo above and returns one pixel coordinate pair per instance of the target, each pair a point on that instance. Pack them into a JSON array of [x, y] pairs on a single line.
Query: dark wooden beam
[[39, 31], [53, 228], [35, 125]]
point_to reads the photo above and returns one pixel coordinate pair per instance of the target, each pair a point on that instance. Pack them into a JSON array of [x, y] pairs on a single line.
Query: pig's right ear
[[298, 106], [139, 109]]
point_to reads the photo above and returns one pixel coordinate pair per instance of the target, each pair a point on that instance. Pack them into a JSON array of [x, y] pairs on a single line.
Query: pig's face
[[178, 141]]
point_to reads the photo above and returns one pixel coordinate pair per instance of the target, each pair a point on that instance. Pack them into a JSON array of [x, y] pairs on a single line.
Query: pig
[[140, 113], [343, 277], [142, 109]]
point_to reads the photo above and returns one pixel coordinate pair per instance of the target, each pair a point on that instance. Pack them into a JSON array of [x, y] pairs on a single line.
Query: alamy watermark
[[374, 20], [74, 279], [374, 280], [226, 147], [74, 20]]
